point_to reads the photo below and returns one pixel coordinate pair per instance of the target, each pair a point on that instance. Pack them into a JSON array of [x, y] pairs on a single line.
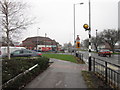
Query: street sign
[[77, 44]]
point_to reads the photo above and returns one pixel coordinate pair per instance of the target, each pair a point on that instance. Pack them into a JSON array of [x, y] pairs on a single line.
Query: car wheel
[[109, 55], [103, 55]]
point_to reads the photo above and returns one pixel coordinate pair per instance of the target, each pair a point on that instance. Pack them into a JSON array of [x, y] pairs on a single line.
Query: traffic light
[[78, 45], [86, 27]]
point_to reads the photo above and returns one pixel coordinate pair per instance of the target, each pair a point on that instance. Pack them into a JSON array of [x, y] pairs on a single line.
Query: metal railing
[[79, 55], [107, 71]]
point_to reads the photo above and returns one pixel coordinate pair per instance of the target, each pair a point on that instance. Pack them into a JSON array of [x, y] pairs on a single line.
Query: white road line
[[58, 83], [65, 85]]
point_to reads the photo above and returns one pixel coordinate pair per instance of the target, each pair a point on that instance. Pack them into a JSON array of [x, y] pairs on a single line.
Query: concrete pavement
[[61, 74]]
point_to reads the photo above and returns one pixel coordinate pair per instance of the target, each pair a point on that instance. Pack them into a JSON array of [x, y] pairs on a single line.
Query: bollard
[[105, 72], [94, 64]]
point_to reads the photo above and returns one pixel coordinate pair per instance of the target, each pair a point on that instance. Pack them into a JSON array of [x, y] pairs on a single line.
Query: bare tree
[[86, 43], [13, 20], [110, 36], [96, 41], [4, 41]]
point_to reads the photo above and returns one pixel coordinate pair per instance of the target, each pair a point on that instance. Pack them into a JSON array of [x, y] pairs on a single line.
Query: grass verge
[[70, 58], [93, 81]]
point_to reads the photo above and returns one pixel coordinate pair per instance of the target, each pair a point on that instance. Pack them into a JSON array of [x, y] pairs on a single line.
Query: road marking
[[65, 85], [58, 83], [113, 67], [103, 69]]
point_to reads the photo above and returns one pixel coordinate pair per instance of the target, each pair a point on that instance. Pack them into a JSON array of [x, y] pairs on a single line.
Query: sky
[[55, 18]]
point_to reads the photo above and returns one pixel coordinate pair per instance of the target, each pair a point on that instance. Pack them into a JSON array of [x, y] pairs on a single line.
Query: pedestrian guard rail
[[107, 71]]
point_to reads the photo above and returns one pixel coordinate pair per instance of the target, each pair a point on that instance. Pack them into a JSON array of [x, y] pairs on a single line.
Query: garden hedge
[[15, 66]]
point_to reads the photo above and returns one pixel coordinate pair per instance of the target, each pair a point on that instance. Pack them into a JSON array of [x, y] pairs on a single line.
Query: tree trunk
[[8, 46], [112, 47], [7, 28], [96, 47]]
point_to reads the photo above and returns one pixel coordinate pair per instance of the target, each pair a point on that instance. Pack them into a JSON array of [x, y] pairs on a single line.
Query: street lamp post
[[96, 41], [37, 38], [74, 20], [45, 41], [74, 24]]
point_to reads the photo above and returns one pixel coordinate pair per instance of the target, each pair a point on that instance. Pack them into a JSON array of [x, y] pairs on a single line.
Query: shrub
[[15, 66]]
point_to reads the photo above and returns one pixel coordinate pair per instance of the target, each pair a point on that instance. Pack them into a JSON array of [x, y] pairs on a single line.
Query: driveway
[[60, 74]]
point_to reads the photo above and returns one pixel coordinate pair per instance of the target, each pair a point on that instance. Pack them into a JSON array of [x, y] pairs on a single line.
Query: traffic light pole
[[89, 68]]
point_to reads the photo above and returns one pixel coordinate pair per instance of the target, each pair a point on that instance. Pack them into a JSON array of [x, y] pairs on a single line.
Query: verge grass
[[70, 58], [93, 81]]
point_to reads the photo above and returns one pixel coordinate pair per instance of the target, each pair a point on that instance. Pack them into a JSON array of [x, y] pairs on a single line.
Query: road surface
[[113, 59], [61, 74]]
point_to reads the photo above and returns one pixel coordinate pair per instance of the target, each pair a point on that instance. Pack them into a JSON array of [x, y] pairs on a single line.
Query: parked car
[[117, 50], [23, 53], [3, 49], [37, 50], [104, 53]]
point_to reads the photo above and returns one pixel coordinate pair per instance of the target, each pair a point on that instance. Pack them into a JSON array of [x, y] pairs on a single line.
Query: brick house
[[42, 43]]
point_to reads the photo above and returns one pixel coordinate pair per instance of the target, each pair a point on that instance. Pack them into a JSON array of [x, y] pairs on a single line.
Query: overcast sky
[[55, 17]]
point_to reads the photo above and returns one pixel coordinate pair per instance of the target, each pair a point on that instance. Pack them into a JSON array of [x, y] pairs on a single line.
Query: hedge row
[[13, 67]]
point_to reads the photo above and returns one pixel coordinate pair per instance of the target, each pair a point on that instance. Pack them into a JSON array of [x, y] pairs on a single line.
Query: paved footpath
[[60, 74]]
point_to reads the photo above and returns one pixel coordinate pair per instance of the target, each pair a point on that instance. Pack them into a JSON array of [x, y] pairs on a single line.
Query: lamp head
[[81, 3]]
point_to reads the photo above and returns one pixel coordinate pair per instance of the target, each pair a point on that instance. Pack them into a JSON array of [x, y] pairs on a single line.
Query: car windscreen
[[17, 52], [27, 51]]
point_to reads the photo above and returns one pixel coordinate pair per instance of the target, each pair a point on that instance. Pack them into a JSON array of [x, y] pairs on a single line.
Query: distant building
[[40, 43]]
